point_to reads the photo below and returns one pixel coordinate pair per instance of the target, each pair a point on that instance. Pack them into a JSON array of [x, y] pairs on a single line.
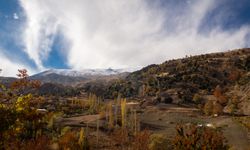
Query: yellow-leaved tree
[[20, 120]]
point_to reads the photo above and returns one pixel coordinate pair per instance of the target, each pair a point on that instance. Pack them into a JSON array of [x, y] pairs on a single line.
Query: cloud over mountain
[[131, 33]]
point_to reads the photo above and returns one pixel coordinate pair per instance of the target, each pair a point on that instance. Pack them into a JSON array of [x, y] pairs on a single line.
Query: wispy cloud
[[118, 33], [40, 30]]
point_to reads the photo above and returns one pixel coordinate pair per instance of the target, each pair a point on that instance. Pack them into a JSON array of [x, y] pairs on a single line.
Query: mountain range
[[74, 77], [84, 73]]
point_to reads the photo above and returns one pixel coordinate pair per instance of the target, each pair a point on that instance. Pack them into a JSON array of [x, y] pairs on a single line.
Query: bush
[[73, 140], [159, 142], [217, 109], [208, 108], [69, 141], [211, 108], [198, 138], [141, 140], [197, 98]]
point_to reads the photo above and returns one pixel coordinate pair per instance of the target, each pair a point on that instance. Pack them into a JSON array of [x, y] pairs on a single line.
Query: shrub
[[217, 108], [73, 140], [211, 108], [159, 142], [234, 76], [40, 143], [141, 140], [208, 108], [197, 98], [198, 138], [69, 141], [121, 137]]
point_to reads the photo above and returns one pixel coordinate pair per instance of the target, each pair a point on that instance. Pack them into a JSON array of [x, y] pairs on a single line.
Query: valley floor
[[163, 119]]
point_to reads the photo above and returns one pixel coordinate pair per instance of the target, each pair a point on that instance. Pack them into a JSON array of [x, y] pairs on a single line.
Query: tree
[[218, 93], [19, 118], [208, 108], [217, 108]]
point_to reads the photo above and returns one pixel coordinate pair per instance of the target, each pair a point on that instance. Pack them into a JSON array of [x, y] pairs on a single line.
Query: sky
[[82, 34]]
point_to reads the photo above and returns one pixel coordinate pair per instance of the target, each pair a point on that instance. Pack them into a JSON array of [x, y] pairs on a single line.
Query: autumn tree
[[208, 108], [218, 93], [19, 119]]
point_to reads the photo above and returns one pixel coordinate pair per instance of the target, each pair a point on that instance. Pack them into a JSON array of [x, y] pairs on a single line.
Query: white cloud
[[15, 16], [40, 30], [10, 67], [118, 33]]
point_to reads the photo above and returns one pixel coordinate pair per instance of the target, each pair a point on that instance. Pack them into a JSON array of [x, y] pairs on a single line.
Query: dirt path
[[234, 132], [79, 121]]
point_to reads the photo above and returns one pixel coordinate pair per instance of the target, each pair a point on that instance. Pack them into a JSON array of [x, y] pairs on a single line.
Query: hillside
[[191, 81], [182, 81]]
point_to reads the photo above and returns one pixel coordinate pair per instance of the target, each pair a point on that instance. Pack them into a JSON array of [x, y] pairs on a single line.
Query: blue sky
[[80, 34]]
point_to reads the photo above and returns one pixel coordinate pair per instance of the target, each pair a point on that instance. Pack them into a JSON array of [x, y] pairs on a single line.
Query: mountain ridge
[[85, 72], [75, 77]]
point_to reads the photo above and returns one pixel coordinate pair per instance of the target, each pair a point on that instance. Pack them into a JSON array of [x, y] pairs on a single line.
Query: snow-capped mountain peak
[[85, 72]]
